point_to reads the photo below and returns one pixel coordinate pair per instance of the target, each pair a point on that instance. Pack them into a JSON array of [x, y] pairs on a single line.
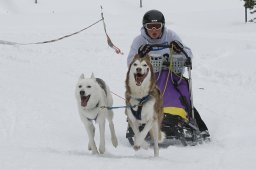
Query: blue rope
[[118, 107], [142, 101]]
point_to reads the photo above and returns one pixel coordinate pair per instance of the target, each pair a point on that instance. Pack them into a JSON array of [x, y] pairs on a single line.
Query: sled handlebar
[[168, 46]]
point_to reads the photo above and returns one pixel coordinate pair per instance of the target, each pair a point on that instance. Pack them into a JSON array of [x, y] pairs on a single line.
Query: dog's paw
[[95, 152], [114, 142], [93, 149], [135, 147], [102, 149]]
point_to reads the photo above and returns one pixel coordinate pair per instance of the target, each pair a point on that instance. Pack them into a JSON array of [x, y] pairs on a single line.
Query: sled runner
[[179, 124]]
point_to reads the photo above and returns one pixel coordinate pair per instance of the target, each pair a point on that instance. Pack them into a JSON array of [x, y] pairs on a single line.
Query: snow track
[[40, 126]]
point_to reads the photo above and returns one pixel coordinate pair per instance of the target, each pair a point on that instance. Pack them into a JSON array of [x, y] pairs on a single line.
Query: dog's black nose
[[82, 93], [138, 70]]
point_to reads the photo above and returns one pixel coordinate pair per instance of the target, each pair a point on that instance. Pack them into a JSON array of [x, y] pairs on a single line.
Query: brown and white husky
[[145, 103]]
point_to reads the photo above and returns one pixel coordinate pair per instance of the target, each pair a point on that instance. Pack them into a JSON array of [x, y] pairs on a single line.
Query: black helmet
[[153, 16]]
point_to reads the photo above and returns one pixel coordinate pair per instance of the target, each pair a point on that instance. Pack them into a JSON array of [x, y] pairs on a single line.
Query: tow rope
[[117, 50], [66, 36]]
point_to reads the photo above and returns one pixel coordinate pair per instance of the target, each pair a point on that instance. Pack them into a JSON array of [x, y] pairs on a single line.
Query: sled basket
[[160, 63], [157, 62]]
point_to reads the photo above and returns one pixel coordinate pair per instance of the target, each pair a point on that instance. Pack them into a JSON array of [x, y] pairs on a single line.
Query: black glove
[[176, 46], [144, 49], [188, 63]]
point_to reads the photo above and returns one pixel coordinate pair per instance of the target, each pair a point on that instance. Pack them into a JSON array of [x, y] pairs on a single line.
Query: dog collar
[[143, 99]]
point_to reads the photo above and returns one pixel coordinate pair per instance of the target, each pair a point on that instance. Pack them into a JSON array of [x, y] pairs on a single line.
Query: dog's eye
[[145, 65], [80, 86], [89, 87], [135, 64]]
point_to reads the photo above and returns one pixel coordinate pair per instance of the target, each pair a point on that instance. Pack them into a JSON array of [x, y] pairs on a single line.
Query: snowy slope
[[40, 126]]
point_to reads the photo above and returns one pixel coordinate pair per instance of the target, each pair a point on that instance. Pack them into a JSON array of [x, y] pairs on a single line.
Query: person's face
[[154, 30]]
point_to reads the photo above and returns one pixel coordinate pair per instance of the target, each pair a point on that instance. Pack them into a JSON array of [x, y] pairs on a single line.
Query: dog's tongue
[[139, 79], [84, 100]]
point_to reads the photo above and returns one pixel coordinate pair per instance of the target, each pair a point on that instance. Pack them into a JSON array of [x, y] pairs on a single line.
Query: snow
[[40, 126]]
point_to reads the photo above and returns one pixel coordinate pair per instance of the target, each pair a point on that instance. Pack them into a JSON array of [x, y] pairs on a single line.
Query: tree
[[249, 4]]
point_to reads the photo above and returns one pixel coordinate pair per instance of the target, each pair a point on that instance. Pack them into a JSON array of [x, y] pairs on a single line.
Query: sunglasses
[[157, 26]]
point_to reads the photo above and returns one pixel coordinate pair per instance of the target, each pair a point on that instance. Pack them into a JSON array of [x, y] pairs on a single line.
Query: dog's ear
[[92, 76], [82, 76]]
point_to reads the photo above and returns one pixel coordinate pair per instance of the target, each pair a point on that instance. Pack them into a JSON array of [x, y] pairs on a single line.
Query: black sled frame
[[177, 131]]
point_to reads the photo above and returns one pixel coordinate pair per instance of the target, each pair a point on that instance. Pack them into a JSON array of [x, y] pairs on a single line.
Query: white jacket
[[167, 37]]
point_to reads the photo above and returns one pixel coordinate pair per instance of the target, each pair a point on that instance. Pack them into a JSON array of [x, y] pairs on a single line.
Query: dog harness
[[97, 105], [137, 113]]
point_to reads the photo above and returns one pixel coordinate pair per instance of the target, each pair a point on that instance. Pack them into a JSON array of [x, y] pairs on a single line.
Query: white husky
[[93, 96], [145, 103]]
